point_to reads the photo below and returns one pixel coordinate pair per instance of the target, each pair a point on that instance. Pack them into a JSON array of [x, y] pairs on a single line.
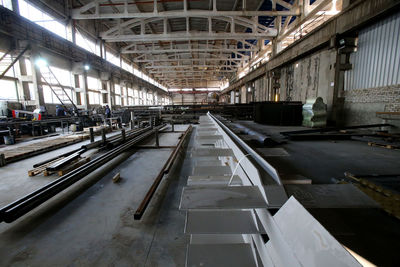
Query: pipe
[[27, 203], [259, 137]]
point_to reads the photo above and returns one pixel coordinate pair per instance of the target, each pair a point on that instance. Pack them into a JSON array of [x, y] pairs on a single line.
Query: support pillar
[[36, 80], [110, 93], [85, 91], [71, 32]]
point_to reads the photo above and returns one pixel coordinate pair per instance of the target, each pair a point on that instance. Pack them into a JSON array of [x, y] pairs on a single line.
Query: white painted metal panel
[[232, 255], [214, 180], [210, 152], [220, 222], [310, 242], [206, 129], [204, 239], [222, 197], [212, 170]]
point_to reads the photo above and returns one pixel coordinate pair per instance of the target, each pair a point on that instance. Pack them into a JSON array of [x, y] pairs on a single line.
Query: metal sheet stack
[[314, 113], [227, 213]]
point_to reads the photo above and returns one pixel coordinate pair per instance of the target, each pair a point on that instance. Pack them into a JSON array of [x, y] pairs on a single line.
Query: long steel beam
[[78, 14], [189, 66], [187, 50], [187, 59], [191, 71], [193, 36]]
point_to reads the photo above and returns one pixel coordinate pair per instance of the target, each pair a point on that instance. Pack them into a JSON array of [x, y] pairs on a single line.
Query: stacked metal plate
[[220, 218], [228, 218]]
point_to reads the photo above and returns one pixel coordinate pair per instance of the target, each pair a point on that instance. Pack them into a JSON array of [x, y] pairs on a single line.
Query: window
[[145, 77], [117, 89], [126, 66], [7, 60], [63, 76], [28, 66], [93, 83], [6, 4], [137, 72], [118, 100], [94, 98], [31, 91], [87, 44], [130, 92], [8, 90], [112, 58], [39, 17]]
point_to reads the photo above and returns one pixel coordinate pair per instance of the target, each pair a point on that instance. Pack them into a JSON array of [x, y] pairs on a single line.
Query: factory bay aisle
[[97, 227]]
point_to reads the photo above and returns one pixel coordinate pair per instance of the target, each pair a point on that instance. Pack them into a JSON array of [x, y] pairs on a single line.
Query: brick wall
[[361, 105], [389, 96]]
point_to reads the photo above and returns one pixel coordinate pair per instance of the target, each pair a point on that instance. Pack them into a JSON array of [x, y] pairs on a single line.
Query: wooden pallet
[[70, 167], [22, 152], [41, 168], [388, 146]]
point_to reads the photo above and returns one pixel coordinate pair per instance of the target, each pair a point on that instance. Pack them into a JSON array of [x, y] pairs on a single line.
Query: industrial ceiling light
[[40, 62], [86, 67]]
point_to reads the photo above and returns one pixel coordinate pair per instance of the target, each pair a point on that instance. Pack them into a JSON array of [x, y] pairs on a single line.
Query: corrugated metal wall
[[376, 62]]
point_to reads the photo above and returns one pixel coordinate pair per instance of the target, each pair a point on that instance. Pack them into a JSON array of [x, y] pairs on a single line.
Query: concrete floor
[[323, 160], [371, 233], [91, 224], [95, 227]]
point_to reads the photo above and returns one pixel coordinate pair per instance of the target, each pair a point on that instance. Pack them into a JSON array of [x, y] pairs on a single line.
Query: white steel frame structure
[[210, 37]]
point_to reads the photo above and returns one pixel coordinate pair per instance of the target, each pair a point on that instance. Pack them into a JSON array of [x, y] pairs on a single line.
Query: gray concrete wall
[[310, 77]]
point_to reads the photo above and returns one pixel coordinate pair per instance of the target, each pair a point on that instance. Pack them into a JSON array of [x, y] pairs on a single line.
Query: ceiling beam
[[193, 36], [79, 13], [190, 71], [189, 66], [188, 50], [150, 60]]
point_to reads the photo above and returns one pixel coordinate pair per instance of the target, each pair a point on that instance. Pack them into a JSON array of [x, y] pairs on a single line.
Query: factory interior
[[204, 133]]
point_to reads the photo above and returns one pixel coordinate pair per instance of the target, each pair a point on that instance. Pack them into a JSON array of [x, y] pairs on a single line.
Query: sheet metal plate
[[206, 129], [220, 222], [310, 242], [208, 133], [212, 152], [273, 152], [222, 197], [330, 196], [212, 170], [276, 195], [217, 255], [213, 180], [217, 239], [216, 162]]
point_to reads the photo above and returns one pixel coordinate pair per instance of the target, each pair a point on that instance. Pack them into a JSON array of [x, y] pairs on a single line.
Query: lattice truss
[[200, 43]]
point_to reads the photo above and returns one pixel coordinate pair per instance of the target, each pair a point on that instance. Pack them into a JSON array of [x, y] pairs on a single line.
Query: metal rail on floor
[[165, 169], [27, 203]]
